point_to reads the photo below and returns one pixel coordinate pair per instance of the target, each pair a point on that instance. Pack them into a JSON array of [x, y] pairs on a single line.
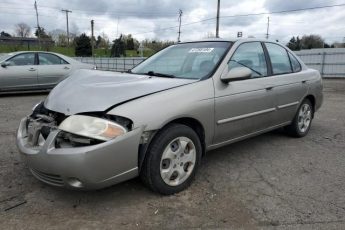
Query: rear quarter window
[[296, 66]]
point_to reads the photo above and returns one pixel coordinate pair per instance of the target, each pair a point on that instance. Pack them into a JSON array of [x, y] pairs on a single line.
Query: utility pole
[[179, 27], [268, 27], [217, 26], [67, 11], [38, 26], [92, 43]]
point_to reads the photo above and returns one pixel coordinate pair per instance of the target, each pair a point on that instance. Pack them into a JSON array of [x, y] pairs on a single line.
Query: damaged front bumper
[[87, 167]]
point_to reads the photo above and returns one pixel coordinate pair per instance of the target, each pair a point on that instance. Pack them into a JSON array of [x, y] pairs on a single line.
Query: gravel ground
[[268, 182]]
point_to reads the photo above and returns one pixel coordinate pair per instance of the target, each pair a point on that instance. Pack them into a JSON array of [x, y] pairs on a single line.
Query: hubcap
[[304, 118], [178, 161]]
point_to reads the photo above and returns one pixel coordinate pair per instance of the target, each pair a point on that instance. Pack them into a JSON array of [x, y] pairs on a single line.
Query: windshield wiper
[[152, 73], [257, 72]]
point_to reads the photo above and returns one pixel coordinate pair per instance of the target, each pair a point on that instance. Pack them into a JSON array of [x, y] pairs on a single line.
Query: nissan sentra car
[[35, 70], [96, 129]]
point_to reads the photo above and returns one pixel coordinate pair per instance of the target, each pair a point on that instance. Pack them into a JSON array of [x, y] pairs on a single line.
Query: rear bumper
[[90, 167]]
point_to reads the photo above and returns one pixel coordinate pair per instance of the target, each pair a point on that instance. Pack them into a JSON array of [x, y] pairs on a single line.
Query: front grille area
[[40, 123], [47, 177], [41, 110]]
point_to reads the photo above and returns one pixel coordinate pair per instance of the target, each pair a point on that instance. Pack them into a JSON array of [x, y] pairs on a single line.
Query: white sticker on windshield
[[201, 50]]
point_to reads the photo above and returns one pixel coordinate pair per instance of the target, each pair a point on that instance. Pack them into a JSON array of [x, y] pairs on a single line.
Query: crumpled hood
[[92, 91]]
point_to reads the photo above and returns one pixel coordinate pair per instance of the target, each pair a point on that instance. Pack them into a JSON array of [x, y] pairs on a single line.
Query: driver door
[[244, 107]]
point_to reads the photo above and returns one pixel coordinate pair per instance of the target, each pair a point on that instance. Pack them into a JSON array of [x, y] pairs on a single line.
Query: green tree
[[119, 47], [130, 44], [98, 41], [62, 40], [312, 41], [42, 33], [327, 46], [157, 45], [4, 34], [83, 46], [294, 43]]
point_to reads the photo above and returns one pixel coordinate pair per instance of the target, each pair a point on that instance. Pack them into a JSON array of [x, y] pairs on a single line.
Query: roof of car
[[232, 40], [21, 52]]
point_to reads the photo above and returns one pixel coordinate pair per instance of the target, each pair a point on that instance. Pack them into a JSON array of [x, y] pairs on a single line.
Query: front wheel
[[302, 121], [172, 159]]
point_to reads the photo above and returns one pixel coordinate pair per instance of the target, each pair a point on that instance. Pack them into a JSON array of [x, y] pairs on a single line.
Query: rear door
[[288, 82], [246, 106], [21, 73], [51, 70]]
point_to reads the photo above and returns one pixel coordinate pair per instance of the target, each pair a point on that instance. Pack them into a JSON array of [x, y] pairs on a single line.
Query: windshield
[[194, 60]]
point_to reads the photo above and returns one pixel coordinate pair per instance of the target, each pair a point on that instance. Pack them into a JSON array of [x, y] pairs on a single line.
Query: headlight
[[92, 127]]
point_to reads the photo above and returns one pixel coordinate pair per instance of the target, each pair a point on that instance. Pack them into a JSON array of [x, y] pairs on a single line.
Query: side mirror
[[5, 64], [236, 74]]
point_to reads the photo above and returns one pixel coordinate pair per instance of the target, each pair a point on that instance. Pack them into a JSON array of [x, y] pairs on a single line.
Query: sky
[[149, 19]]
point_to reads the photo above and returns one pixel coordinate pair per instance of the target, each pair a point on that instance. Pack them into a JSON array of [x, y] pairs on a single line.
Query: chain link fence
[[112, 64]]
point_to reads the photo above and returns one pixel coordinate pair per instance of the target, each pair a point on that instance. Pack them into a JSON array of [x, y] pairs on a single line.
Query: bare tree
[[22, 30]]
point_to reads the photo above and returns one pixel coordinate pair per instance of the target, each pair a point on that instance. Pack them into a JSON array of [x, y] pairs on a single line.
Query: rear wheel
[[172, 160], [302, 121]]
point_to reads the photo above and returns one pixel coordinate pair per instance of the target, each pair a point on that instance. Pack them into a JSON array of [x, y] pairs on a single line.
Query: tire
[[302, 121], [172, 159]]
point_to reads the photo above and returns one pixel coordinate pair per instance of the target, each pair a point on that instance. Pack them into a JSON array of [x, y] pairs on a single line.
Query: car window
[[250, 55], [50, 59], [279, 59], [296, 66], [195, 60], [22, 59]]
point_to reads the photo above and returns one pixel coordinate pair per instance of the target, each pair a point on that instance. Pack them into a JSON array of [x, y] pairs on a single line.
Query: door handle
[[269, 88], [304, 81], [66, 67], [32, 69]]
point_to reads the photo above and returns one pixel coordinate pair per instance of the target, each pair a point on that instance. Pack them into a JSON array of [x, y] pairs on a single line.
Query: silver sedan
[[159, 120], [35, 70]]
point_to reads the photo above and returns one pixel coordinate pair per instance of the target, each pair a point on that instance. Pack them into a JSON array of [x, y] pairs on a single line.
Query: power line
[[246, 15], [209, 19], [283, 11], [174, 27]]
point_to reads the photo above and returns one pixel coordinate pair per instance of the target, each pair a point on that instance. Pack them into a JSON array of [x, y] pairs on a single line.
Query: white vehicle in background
[[35, 70]]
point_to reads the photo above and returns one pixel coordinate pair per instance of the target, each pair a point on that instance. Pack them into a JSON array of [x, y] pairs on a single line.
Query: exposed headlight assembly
[[93, 127]]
